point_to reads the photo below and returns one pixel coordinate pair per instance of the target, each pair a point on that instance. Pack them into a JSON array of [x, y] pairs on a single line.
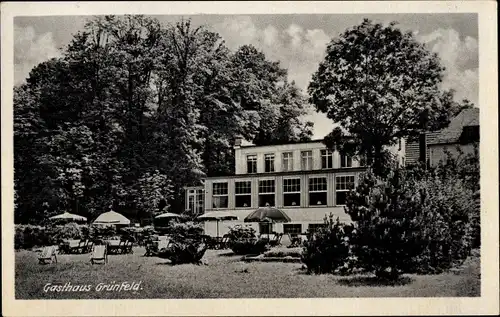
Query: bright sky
[[297, 41]]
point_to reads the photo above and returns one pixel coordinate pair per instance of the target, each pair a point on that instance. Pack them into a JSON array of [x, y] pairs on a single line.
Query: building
[[306, 180], [461, 135]]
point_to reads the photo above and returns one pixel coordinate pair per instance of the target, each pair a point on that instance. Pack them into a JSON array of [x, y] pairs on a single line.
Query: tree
[[380, 85]]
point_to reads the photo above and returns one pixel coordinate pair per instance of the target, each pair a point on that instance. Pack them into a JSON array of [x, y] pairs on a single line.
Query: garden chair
[[224, 244], [80, 247], [90, 245], [48, 254], [127, 247], [99, 254], [151, 248]]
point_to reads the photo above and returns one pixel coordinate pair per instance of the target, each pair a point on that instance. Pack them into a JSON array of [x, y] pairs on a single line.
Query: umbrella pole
[[217, 228]]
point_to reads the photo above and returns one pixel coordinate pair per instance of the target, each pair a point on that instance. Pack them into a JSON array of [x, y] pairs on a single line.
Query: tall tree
[[379, 84]]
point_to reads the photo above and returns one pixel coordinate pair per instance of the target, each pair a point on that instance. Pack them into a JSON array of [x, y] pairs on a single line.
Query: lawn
[[222, 276]]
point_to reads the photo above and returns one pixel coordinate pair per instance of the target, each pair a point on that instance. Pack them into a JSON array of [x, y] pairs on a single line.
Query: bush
[[407, 224], [243, 240], [187, 244], [249, 246], [327, 249], [29, 236]]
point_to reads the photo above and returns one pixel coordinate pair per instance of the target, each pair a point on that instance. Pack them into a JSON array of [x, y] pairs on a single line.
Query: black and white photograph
[[250, 155]]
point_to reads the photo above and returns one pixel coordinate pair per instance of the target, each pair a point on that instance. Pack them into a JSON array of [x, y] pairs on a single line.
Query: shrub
[[410, 222], [249, 246], [67, 231], [187, 244], [243, 240], [29, 236], [327, 249]]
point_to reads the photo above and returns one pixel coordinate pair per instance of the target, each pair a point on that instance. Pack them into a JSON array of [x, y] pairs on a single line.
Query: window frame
[[295, 192], [273, 165], [308, 158], [259, 193], [220, 195], [253, 162], [343, 189], [285, 225], [236, 194], [326, 157], [288, 158], [344, 158], [309, 191]]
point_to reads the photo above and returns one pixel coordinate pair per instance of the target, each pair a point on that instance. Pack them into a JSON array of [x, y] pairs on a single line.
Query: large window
[[317, 191], [243, 194], [292, 228], [345, 160], [219, 195], [251, 164], [313, 227], [343, 185], [306, 160], [326, 159], [267, 193], [269, 163], [291, 192], [287, 164]]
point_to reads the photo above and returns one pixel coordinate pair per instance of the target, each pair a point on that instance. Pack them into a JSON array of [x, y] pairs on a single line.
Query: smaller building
[[461, 135]]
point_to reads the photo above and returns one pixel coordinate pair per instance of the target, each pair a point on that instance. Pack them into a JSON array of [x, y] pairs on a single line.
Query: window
[[345, 160], [287, 162], [289, 228], [266, 193], [291, 192], [219, 195], [269, 163], [251, 164], [317, 191], [306, 162], [243, 194], [343, 185], [196, 201], [326, 159], [313, 227]]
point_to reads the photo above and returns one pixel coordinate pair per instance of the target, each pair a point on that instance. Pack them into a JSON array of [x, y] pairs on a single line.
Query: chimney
[[237, 141], [422, 148]]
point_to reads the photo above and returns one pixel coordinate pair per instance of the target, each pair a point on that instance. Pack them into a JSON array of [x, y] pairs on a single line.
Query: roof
[[291, 142], [452, 133]]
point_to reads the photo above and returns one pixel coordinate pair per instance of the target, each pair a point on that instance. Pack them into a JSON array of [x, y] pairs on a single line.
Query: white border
[[486, 304]]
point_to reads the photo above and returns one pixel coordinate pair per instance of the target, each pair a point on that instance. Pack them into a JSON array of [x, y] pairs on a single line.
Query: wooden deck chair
[[48, 255], [151, 248], [89, 246], [224, 244], [127, 247], [99, 254]]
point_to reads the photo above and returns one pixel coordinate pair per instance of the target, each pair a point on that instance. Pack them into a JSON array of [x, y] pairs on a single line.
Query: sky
[[297, 41]]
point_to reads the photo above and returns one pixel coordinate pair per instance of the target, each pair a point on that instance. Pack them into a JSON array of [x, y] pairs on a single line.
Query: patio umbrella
[[111, 218], [218, 216], [268, 214], [168, 215], [69, 217]]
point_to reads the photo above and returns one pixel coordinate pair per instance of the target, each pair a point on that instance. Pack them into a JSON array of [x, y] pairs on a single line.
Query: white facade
[[305, 191]]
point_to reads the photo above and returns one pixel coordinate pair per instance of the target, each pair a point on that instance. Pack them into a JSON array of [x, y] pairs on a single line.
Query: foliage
[[328, 249], [380, 85], [249, 246], [243, 240], [239, 232], [29, 236], [135, 110], [187, 244], [407, 224]]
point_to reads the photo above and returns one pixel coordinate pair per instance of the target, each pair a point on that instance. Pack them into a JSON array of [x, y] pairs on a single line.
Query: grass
[[222, 276]]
